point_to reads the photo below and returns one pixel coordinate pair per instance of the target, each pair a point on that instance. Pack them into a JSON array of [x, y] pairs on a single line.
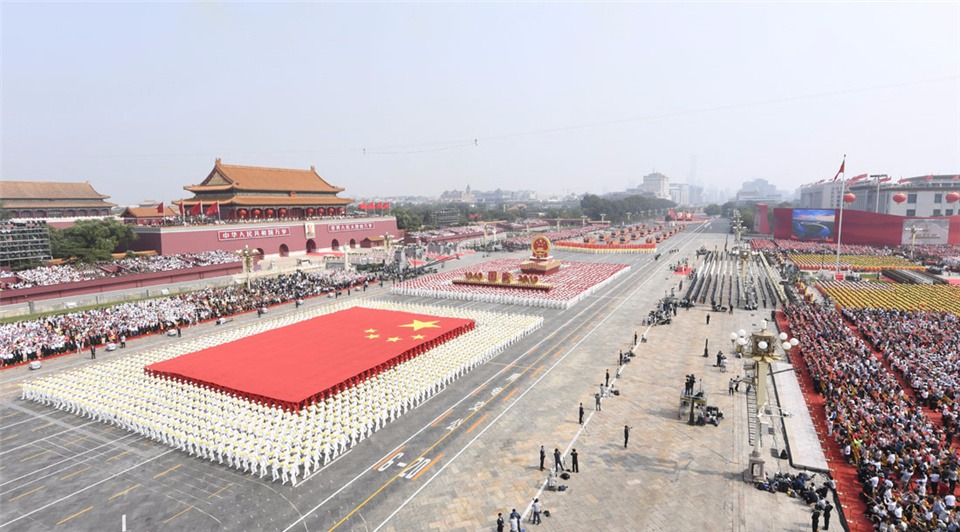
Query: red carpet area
[[296, 365]]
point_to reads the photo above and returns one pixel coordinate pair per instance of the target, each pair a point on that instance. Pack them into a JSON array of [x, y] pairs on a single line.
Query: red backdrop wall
[[864, 228]]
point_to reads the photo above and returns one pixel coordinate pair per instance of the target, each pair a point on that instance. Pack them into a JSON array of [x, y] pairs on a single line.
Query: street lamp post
[[247, 255], [763, 352]]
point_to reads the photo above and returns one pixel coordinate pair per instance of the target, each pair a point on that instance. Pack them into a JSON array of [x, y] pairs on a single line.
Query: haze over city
[[413, 99]]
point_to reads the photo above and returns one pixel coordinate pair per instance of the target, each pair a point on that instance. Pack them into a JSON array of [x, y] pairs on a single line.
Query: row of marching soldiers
[[255, 437]]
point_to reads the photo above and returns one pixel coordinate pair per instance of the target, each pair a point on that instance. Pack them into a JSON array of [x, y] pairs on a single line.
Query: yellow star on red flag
[[372, 336], [417, 325], [394, 339], [417, 337], [370, 331]]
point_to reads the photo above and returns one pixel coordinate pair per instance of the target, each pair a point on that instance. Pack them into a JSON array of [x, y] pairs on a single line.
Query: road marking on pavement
[[538, 370], [388, 457], [5, 416], [124, 492], [41, 427], [439, 419], [75, 473], [479, 421], [81, 512], [117, 455], [167, 471], [9, 437], [509, 395], [81, 438], [171, 518], [428, 466], [214, 494], [34, 456], [28, 493]]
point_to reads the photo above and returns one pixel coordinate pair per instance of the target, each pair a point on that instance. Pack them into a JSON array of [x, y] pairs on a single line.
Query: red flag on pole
[[884, 179], [181, 208], [160, 208], [196, 209], [386, 205], [378, 206], [903, 180], [213, 209], [840, 171], [928, 178], [858, 178]]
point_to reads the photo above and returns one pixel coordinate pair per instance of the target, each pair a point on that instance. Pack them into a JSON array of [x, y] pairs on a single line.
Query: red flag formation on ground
[[363, 342]]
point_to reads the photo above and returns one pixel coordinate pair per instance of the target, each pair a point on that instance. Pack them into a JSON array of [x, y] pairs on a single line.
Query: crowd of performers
[[286, 443], [904, 460]]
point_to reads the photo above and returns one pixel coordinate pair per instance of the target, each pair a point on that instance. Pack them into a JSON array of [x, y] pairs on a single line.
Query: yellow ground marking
[[9, 437], [439, 419], [28, 493], [424, 470], [74, 515], [117, 455], [167, 471], [171, 518], [214, 494], [509, 395], [42, 427], [34, 456], [479, 421], [75, 473], [124, 492], [81, 438]]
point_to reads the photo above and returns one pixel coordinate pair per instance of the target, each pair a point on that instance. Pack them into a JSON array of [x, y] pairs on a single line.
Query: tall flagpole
[[843, 186]]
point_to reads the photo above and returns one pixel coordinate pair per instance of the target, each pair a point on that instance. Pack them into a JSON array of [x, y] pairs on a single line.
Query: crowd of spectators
[[924, 347], [904, 460], [61, 333], [70, 273]]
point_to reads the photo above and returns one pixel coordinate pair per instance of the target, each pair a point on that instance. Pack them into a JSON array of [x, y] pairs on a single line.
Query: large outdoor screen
[[813, 224]]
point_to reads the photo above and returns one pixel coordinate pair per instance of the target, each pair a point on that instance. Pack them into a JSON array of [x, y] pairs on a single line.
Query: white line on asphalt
[[81, 490]]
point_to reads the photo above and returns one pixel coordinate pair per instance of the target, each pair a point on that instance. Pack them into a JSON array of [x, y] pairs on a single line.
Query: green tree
[[90, 240], [408, 219], [712, 210]]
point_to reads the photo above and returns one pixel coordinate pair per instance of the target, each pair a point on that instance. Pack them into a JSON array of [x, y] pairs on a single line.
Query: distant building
[[445, 217], [656, 185], [147, 215], [759, 191], [31, 200], [823, 194], [686, 194], [923, 196], [456, 196], [257, 193]]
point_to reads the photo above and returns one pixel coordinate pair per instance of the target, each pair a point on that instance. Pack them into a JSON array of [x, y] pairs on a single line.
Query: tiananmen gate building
[[260, 193]]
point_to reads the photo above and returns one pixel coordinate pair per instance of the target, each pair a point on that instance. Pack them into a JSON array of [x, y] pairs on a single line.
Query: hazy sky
[[140, 98]]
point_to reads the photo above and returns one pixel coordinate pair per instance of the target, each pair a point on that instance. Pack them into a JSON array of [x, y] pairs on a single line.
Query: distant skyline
[[414, 99]]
